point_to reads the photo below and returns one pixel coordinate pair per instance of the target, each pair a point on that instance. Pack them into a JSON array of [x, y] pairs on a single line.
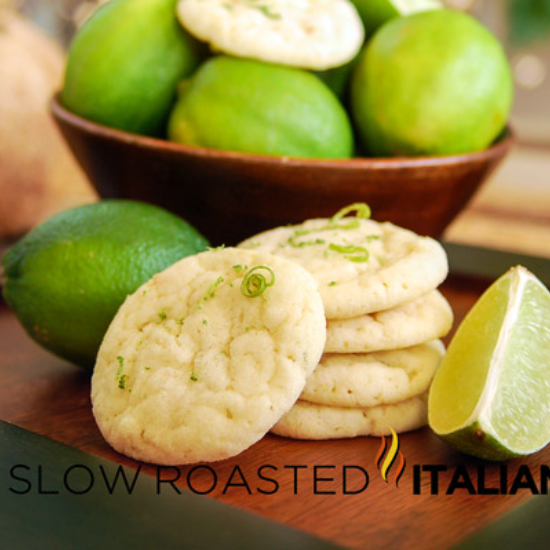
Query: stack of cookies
[[384, 317], [324, 330]]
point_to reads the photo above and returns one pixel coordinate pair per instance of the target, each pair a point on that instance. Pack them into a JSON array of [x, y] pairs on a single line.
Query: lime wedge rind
[[512, 414], [474, 440]]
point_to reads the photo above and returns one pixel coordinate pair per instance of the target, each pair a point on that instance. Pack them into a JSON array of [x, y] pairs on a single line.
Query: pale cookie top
[[369, 267], [193, 370], [424, 319], [310, 34]]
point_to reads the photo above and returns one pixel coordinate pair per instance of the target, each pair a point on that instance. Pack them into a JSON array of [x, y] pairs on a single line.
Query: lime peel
[[497, 363]]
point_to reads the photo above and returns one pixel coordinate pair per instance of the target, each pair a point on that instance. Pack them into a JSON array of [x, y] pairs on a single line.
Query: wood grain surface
[[48, 396]]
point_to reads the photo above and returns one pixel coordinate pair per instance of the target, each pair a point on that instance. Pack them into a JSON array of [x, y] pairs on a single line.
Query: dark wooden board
[[47, 396]]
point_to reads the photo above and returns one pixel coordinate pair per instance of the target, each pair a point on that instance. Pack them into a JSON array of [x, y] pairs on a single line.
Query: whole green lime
[[124, 65], [250, 106], [338, 79], [66, 279], [433, 83]]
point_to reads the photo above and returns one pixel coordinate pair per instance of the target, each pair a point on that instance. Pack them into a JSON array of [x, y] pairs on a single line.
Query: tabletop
[[318, 487]]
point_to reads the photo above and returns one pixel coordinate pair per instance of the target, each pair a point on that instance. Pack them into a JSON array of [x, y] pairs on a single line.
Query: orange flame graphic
[[390, 458]]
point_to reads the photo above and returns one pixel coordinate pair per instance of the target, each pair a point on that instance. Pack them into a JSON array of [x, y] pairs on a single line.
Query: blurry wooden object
[[229, 196], [38, 174], [512, 210]]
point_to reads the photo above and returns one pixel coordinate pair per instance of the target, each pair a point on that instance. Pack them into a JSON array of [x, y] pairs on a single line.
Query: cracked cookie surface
[[422, 320], [372, 379], [311, 421], [191, 369], [368, 268]]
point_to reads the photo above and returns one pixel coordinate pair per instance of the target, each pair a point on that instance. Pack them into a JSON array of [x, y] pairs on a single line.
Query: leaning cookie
[[373, 379], [422, 320], [310, 421], [361, 266], [204, 359], [309, 34]]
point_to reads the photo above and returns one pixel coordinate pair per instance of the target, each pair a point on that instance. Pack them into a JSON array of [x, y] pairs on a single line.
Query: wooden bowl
[[229, 196]]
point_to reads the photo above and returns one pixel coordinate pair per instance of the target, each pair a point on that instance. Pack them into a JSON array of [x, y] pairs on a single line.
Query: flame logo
[[390, 458]]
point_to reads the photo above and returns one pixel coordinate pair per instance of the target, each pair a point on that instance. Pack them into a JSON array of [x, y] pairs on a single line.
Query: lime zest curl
[[362, 212], [255, 284], [348, 250], [298, 233]]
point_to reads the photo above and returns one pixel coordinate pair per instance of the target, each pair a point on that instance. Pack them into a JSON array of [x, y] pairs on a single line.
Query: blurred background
[[511, 211]]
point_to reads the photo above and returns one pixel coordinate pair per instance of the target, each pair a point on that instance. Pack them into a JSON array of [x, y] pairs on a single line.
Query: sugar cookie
[[310, 421], [369, 380], [364, 268], [309, 34], [416, 322], [194, 369]]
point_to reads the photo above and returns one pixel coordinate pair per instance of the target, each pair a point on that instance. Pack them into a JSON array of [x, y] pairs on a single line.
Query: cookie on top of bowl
[[310, 34]]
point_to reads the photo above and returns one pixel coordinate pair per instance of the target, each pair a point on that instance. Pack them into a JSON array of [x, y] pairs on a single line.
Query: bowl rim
[[496, 149]]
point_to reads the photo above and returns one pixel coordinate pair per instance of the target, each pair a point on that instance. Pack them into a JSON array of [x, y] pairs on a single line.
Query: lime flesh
[[491, 396]]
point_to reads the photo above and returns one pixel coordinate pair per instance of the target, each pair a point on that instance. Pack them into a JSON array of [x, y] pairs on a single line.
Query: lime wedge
[[376, 12], [491, 395]]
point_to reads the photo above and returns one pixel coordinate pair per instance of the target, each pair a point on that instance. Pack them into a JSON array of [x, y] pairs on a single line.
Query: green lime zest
[[162, 314], [216, 248], [292, 239], [121, 378], [211, 292], [255, 284], [122, 381], [120, 366], [266, 10], [362, 211], [194, 377], [348, 250], [333, 283]]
